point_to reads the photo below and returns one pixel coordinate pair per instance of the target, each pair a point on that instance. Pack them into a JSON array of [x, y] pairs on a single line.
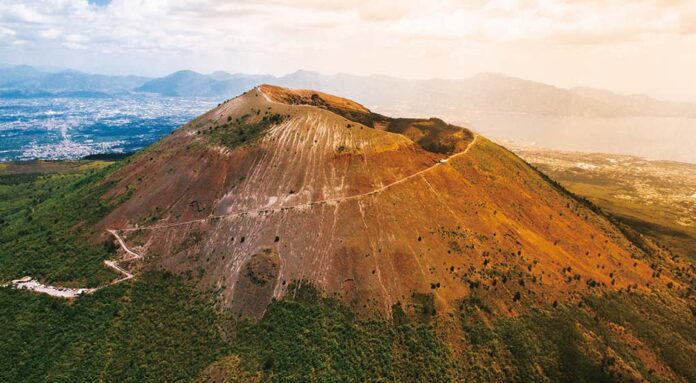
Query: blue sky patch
[[101, 3]]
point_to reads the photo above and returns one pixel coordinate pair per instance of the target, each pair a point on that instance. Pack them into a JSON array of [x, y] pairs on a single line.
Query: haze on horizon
[[646, 46]]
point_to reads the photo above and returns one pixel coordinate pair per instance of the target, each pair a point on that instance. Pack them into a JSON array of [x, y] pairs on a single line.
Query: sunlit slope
[[279, 185]]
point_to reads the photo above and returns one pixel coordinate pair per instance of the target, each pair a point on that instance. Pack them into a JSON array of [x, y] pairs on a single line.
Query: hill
[[398, 207], [656, 197], [293, 235], [487, 92], [26, 79], [190, 83]]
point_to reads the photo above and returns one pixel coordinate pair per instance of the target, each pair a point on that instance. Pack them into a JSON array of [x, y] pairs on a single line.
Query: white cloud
[[50, 33], [133, 24], [7, 31], [420, 38]]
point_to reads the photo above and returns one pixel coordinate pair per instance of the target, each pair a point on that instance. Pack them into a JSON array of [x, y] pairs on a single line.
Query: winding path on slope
[[301, 205], [135, 256], [28, 283], [115, 265]]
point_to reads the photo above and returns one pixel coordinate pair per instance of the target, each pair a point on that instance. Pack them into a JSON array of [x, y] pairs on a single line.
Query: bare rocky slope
[[281, 185], [294, 236]]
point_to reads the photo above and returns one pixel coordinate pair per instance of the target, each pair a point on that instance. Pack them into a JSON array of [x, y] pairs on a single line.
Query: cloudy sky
[[636, 46]]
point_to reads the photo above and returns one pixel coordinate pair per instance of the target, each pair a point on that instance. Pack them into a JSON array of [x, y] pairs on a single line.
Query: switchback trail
[[114, 264], [28, 283]]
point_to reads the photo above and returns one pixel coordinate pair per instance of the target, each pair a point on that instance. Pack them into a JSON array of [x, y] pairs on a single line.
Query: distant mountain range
[[27, 81], [216, 84], [486, 92]]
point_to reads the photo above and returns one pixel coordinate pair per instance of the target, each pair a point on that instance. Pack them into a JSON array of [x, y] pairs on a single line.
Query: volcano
[[279, 187]]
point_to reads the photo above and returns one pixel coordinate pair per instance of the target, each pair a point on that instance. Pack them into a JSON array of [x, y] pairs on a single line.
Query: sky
[[629, 46]]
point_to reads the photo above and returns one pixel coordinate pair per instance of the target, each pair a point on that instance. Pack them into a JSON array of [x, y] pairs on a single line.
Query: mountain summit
[[281, 186]]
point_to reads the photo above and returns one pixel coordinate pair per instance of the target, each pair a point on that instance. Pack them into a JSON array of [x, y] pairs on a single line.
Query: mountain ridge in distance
[[491, 92], [485, 91], [25, 77]]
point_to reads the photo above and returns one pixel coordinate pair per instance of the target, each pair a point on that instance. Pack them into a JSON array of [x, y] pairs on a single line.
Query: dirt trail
[[28, 283], [307, 204], [114, 264], [133, 254]]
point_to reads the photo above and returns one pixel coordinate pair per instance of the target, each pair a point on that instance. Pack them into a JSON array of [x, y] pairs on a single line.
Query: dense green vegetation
[[45, 224], [107, 156], [155, 330], [590, 342], [661, 321], [159, 327], [311, 338]]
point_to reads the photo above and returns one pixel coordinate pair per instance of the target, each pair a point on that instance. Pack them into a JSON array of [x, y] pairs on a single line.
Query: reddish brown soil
[[323, 198]]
